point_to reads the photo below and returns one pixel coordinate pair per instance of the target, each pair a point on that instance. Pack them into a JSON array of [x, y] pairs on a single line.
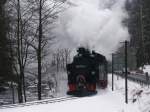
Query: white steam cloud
[[93, 23]]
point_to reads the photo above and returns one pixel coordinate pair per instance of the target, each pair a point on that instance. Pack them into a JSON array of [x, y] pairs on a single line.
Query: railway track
[[52, 100]]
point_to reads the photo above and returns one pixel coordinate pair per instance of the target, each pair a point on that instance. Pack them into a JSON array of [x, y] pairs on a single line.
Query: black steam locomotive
[[87, 71]]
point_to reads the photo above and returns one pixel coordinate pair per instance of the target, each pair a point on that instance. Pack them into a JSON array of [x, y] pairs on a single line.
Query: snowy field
[[104, 101]]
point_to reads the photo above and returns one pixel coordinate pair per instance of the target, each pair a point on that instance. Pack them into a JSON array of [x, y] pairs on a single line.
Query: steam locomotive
[[87, 72]]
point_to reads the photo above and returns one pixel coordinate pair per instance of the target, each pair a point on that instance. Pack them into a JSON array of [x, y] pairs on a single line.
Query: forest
[[27, 60]]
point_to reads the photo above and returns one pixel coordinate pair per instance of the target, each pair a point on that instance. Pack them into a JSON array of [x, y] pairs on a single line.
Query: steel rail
[[52, 100]]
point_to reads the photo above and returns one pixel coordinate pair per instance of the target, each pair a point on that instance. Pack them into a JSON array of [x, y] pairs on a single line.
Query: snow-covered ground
[[146, 69], [104, 101], [138, 94]]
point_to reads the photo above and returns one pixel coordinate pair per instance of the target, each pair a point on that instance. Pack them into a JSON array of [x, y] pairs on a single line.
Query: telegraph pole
[[144, 58], [126, 74], [126, 71], [112, 71]]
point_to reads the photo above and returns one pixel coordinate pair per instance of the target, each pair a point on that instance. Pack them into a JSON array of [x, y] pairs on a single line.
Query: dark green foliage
[[6, 73], [146, 20], [139, 29]]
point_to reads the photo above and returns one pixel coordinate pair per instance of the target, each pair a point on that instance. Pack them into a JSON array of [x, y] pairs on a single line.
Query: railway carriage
[[87, 72]]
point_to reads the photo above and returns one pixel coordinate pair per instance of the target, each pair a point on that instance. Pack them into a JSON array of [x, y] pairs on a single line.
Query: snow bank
[[104, 101], [146, 69], [138, 94]]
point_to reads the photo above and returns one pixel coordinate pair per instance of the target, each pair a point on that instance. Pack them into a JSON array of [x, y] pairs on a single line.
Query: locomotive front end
[[80, 83], [84, 73]]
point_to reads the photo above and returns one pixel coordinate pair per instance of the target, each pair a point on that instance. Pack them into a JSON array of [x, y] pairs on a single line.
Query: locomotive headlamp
[[68, 72], [93, 72]]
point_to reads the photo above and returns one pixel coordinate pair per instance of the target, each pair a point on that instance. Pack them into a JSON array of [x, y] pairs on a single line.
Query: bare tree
[[19, 34], [60, 58], [31, 31], [45, 15]]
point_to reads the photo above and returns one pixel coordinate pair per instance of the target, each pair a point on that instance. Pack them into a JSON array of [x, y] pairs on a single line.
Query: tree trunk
[[23, 84], [39, 51], [20, 98], [13, 93]]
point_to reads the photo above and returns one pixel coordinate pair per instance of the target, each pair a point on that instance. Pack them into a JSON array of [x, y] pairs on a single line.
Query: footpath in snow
[[104, 101]]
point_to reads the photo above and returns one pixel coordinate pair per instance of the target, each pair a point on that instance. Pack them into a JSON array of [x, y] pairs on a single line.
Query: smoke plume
[[97, 24]]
